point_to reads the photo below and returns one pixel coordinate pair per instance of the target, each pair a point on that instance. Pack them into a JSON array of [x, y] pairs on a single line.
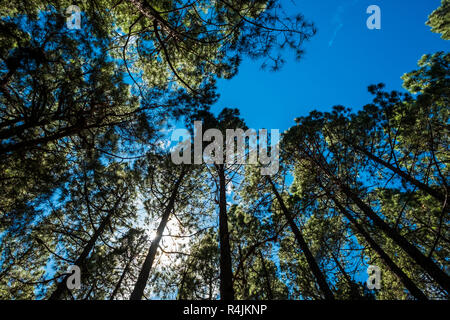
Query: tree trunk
[[304, 247], [122, 276], [407, 282], [425, 262], [144, 274], [353, 287], [61, 288], [266, 275], [422, 186], [226, 273]]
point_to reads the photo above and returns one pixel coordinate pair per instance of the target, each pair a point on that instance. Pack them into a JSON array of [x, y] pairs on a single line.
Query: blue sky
[[341, 60]]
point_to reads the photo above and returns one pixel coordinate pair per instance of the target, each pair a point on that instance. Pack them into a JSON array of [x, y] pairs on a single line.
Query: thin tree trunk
[[266, 275], [61, 288], [182, 282], [422, 186], [425, 262], [244, 275], [353, 287], [122, 276], [304, 246], [151, 13], [226, 273], [144, 274], [407, 282]]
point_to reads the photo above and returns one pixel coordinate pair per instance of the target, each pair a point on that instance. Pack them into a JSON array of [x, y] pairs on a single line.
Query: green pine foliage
[[87, 178]]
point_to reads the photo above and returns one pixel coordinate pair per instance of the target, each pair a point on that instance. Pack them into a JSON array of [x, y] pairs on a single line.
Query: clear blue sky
[[340, 61]]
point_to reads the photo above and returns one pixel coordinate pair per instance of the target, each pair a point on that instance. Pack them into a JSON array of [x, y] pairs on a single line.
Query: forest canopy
[[87, 178]]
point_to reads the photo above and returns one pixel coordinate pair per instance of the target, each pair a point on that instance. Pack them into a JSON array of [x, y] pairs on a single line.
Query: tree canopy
[[87, 177]]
